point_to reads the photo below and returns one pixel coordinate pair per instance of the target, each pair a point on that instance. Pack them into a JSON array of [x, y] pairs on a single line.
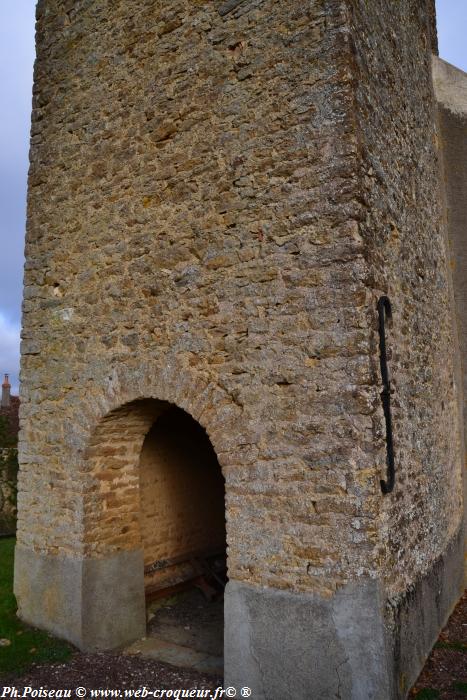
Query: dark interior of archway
[[183, 533]]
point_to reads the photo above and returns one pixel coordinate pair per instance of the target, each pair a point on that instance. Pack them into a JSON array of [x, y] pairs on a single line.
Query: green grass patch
[[455, 646], [26, 645], [427, 694], [461, 687]]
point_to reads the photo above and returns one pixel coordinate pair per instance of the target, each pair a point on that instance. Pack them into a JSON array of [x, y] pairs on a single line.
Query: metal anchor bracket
[[385, 312]]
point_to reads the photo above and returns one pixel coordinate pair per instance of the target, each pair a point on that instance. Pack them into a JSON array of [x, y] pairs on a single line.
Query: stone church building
[[246, 245]]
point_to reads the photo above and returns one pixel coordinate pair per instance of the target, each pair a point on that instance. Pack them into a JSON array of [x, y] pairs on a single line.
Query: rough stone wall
[[216, 200], [182, 498], [192, 236], [402, 226], [451, 93], [432, 26]]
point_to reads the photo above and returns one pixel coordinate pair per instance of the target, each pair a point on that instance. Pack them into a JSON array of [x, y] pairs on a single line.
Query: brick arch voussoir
[[129, 404], [195, 393]]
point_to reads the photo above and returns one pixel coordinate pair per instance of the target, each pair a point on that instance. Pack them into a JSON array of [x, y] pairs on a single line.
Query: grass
[[427, 694], [455, 646], [461, 687], [20, 645]]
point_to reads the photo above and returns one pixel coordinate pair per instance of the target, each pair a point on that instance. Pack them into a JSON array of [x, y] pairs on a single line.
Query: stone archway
[[153, 503], [72, 577]]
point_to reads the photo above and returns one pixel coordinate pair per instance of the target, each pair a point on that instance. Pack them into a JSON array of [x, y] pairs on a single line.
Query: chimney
[[6, 387]]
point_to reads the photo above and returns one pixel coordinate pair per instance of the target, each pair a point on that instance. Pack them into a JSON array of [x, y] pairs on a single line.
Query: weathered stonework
[[403, 230], [451, 93], [219, 193]]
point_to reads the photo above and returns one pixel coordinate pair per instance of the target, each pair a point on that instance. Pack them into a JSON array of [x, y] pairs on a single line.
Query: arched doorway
[[182, 519], [154, 513]]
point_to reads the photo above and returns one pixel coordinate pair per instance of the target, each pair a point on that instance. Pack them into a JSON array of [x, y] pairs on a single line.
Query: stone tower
[[236, 269]]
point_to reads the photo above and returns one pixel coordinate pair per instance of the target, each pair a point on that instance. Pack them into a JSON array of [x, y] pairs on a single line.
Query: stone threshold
[[177, 655]]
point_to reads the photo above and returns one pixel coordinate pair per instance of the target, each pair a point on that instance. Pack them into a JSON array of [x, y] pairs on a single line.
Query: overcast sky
[[16, 61]]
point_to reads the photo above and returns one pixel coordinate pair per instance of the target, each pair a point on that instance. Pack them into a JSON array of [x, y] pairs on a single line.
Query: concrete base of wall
[[286, 645], [357, 645], [96, 604], [415, 619]]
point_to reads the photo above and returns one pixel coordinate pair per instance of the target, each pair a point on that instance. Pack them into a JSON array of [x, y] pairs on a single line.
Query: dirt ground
[[189, 620], [111, 671]]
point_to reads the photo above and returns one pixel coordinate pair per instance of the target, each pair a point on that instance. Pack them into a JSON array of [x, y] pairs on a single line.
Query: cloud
[[9, 351], [16, 61]]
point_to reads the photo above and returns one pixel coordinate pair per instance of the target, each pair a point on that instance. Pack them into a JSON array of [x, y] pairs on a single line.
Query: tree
[[6, 437]]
